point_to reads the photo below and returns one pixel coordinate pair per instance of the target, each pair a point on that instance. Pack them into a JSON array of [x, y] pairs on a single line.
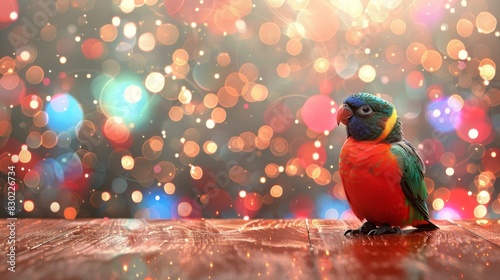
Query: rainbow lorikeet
[[382, 173]]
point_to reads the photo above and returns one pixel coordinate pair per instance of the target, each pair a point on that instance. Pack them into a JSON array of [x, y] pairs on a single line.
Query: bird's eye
[[365, 110]]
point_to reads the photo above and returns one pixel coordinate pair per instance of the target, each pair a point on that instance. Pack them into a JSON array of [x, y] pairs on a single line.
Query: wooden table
[[255, 249]]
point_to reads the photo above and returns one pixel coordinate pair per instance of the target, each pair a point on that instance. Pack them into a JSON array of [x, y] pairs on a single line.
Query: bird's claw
[[371, 229], [365, 228], [385, 229], [352, 232]]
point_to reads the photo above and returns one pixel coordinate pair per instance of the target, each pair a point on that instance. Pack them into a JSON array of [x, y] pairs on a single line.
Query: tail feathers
[[427, 226]]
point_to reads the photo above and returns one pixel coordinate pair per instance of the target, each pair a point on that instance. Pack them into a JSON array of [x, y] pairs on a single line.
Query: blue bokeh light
[[64, 112], [440, 115], [123, 96], [328, 208], [158, 203]]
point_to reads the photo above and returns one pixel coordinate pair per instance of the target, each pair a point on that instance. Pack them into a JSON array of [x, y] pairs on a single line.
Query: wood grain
[[255, 249], [448, 253], [183, 249], [489, 230]]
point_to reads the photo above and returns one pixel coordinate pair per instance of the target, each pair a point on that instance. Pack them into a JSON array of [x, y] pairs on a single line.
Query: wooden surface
[[256, 249]]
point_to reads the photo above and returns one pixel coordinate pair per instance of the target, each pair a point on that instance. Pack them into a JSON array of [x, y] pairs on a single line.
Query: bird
[[381, 172]]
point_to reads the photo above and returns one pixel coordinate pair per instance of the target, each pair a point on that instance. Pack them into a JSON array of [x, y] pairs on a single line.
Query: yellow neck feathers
[[389, 125]]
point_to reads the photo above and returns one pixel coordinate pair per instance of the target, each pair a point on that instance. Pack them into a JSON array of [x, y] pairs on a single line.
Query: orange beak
[[344, 114]]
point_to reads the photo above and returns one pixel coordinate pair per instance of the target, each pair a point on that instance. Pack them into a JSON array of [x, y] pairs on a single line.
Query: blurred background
[[226, 108]]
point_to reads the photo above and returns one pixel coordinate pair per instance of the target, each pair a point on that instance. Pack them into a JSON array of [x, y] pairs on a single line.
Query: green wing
[[412, 182]]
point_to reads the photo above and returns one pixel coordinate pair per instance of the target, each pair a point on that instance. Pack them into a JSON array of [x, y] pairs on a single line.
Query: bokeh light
[[319, 113], [9, 13], [63, 112], [227, 109]]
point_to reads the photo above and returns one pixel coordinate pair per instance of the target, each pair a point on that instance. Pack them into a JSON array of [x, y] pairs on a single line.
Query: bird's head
[[370, 118]]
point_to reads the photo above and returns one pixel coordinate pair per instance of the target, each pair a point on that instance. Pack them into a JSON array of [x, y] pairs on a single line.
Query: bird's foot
[[365, 228], [384, 229]]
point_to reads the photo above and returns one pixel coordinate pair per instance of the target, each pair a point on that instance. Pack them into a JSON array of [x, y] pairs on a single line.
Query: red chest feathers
[[367, 160], [371, 177]]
